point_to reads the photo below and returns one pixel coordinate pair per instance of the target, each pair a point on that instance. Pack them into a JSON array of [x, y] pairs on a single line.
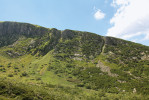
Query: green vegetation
[[37, 63]]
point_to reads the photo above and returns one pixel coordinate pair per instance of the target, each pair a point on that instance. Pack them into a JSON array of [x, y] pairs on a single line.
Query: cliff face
[[21, 29], [11, 31]]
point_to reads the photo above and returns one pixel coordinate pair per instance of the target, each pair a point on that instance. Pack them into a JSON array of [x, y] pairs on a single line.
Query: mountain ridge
[[67, 62], [15, 30], [24, 29]]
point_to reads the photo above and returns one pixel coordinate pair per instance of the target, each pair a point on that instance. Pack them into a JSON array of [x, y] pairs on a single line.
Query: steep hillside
[[46, 64]]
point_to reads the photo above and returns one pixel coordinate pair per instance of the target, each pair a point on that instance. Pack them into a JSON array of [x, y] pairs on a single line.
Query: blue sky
[[85, 15]]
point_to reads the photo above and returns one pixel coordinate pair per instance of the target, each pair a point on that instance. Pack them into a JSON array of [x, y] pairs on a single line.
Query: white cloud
[[131, 19], [99, 15]]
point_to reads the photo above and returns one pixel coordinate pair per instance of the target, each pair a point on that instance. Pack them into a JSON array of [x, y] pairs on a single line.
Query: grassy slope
[[43, 77]]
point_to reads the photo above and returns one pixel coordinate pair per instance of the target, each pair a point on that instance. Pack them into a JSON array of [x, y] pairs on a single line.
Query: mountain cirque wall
[[86, 43]]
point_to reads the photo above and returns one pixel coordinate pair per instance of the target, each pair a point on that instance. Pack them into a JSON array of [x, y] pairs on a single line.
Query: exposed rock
[[145, 57], [121, 81], [134, 90], [13, 54], [68, 34], [11, 31], [77, 58], [105, 69]]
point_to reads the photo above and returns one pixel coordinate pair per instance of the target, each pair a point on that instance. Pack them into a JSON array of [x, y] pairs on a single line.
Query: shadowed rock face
[[11, 31], [68, 34], [114, 41], [21, 29]]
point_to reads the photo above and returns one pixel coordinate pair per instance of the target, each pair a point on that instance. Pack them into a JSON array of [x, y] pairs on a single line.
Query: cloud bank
[[131, 20]]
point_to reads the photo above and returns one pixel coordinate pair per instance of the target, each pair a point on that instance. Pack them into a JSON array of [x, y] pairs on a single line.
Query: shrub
[[24, 74], [10, 75], [9, 65], [3, 69], [38, 78], [16, 67]]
